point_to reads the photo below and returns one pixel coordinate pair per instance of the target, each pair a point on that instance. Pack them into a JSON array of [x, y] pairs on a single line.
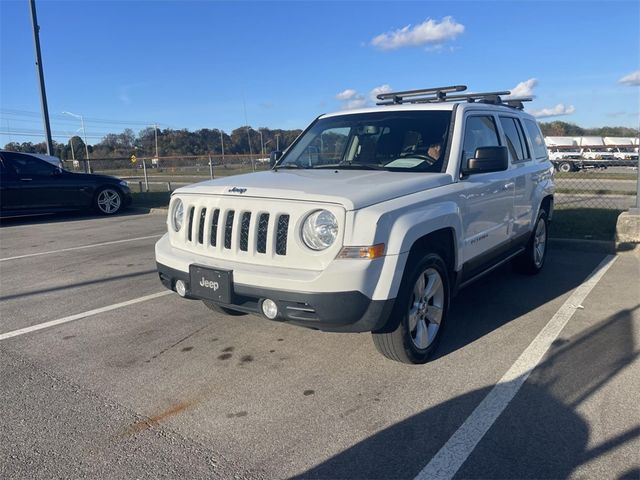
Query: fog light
[[181, 288], [270, 309]]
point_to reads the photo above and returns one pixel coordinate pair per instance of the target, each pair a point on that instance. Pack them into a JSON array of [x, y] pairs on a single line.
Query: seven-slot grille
[[237, 229]]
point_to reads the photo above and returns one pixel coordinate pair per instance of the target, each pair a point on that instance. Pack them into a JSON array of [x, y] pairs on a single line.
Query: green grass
[[151, 199], [586, 175], [584, 223], [595, 191]]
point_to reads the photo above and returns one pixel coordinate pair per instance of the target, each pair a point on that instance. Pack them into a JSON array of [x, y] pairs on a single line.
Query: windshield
[[393, 141]]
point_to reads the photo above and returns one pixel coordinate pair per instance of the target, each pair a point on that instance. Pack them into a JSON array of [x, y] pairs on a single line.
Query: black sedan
[[31, 185]]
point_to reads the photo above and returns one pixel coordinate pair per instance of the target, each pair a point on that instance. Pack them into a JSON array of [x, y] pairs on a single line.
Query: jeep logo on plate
[[237, 190], [209, 284]]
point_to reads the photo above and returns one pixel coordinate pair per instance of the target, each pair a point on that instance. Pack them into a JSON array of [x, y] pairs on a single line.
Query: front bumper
[[350, 311]]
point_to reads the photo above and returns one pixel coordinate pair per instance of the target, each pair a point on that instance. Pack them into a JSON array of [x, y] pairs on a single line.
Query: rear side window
[[26, 165], [539, 148], [480, 131], [515, 142]]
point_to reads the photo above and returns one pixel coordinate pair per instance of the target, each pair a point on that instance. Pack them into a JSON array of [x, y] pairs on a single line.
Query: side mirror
[[487, 159], [274, 157]]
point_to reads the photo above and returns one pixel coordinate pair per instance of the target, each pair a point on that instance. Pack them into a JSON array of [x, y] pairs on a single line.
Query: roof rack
[[439, 94]]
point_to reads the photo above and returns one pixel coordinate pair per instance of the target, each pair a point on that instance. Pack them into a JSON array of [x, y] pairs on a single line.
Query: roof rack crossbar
[[439, 92]]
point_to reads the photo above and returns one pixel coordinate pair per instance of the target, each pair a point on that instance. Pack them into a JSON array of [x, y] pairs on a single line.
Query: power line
[[27, 113]]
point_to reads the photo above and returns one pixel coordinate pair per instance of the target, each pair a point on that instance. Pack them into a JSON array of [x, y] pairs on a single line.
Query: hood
[[353, 189], [95, 177]]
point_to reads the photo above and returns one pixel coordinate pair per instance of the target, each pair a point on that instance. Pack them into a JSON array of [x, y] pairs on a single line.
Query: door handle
[[507, 186], [26, 179]]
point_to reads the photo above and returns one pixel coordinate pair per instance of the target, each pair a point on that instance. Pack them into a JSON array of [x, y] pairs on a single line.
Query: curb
[[150, 211]]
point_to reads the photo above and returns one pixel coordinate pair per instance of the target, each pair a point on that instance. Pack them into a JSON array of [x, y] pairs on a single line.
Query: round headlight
[[319, 230], [177, 215]]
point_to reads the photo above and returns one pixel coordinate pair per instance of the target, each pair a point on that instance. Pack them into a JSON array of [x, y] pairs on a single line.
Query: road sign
[[133, 159]]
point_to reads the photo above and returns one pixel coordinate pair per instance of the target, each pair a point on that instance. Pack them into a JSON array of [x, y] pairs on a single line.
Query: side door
[[8, 186], [521, 168], [487, 203], [36, 185]]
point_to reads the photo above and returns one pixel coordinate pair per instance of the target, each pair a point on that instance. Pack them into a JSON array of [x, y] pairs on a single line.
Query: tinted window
[[539, 148], [513, 138], [25, 165], [480, 131]]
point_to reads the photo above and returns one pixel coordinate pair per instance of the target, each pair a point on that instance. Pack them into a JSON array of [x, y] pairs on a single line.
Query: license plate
[[211, 284]]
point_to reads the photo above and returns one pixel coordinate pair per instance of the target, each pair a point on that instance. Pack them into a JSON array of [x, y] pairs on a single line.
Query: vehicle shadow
[[504, 295], [48, 218], [70, 286], [539, 435]]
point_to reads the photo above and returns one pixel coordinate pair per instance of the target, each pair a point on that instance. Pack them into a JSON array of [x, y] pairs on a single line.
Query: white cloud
[[373, 94], [559, 109], [429, 32], [347, 94], [352, 99], [356, 102], [633, 79], [524, 89]]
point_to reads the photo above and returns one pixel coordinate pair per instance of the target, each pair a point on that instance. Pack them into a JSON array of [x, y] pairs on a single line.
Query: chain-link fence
[[169, 173], [611, 188], [582, 186]]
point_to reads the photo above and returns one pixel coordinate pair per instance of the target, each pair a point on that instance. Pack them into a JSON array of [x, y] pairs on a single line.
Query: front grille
[[263, 225], [228, 229], [190, 226], [234, 231], [282, 234], [203, 215], [214, 227], [244, 231]]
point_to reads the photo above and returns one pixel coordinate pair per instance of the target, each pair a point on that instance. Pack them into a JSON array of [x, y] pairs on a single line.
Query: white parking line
[[114, 242], [454, 453], [79, 316]]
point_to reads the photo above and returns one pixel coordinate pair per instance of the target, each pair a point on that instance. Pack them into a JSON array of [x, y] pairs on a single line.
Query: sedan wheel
[[108, 201]]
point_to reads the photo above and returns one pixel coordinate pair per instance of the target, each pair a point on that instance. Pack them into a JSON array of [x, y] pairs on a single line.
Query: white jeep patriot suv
[[371, 220]]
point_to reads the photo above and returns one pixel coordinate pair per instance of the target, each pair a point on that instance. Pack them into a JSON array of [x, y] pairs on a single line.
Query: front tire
[[223, 310], [108, 201], [420, 312]]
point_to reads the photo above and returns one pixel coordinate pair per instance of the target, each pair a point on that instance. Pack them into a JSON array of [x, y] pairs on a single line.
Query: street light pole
[[87, 163], [43, 93]]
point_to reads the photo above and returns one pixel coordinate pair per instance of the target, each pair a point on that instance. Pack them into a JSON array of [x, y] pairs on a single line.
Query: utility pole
[[278, 142], [222, 143], [261, 143], [39, 70], [73, 155], [155, 131]]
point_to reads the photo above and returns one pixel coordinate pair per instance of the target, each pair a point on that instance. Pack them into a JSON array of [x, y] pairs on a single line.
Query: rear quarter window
[[537, 140]]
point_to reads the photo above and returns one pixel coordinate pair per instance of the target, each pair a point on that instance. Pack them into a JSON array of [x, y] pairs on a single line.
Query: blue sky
[[196, 64]]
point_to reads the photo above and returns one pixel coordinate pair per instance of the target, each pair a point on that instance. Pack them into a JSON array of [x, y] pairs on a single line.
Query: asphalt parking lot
[[131, 385]]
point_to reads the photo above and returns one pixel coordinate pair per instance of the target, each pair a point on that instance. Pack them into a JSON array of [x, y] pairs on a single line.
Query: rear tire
[[565, 167], [108, 201], [224, 310], [420, 312], [532, 259]]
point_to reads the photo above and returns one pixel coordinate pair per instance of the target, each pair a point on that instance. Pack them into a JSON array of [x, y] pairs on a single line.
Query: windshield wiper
[[353, 166], [288, 166]]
